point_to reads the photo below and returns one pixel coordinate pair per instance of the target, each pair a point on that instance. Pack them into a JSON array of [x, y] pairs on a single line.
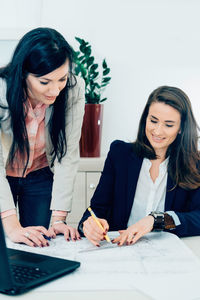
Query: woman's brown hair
[[184, 157]]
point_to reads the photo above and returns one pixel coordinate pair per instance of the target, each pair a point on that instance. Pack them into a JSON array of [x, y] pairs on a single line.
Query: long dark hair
[[184, 157], [40, 51]]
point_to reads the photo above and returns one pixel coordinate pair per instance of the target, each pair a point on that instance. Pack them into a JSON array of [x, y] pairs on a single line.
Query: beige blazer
[[64, 172]]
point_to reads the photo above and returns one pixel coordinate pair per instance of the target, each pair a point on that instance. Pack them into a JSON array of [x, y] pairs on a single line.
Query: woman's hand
[[93, 232], [32, 235], [135, 231], [68, 231]]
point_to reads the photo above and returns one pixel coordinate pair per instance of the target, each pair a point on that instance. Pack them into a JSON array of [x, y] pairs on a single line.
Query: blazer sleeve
[[190, 218], [101, 202], [65, 172], [6, 198]]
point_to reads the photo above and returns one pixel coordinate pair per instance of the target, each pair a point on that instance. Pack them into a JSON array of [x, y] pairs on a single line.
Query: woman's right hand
[[93, 232], [32, 235]]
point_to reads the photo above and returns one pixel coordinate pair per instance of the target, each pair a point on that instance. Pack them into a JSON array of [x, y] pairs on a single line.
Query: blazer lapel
[[170, 194], [133, 174]]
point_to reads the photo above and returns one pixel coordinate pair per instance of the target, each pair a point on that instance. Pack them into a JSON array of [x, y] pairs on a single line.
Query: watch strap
[[169, 222], [162, 221], [159, 224]]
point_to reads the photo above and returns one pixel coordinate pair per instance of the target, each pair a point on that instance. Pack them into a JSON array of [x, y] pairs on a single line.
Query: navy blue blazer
[[114, 195]]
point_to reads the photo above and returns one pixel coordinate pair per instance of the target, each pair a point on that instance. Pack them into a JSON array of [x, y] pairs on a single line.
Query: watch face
[[158, 220]]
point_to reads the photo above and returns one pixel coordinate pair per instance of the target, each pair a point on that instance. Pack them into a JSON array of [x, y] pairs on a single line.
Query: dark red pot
[[90, 143]]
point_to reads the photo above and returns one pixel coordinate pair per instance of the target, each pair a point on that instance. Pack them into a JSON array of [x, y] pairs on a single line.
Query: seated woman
[[153, 183]]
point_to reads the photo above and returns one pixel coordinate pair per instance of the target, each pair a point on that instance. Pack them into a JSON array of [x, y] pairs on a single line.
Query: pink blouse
[[35, 126]]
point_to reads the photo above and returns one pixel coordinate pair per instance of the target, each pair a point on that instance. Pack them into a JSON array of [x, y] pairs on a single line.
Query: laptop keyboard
[[26, 274]]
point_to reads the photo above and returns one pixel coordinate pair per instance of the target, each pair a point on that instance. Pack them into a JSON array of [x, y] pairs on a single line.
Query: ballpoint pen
[[98, 223]]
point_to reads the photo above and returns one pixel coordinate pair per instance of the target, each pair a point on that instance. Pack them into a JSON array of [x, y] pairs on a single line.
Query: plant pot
[[90, 142]]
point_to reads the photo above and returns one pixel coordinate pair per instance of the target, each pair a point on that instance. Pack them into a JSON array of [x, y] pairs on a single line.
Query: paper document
[[157, 262]]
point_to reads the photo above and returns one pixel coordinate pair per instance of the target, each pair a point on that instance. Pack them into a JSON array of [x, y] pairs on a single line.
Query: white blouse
[[149, 195]]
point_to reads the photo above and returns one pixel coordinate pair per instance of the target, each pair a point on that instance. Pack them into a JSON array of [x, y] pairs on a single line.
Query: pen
[[46, 237], [98, 223]]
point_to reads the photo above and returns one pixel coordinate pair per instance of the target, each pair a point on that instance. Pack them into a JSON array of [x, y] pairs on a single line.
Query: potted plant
[[95, 84]]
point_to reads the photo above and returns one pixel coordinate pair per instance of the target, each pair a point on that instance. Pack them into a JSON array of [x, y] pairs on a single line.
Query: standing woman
[[41, 112], [153, 183]]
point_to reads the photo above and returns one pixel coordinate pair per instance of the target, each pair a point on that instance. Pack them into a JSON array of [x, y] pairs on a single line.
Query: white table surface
[[192, 242]]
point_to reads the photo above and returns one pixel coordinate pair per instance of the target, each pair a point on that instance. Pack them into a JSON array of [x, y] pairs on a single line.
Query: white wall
[[147, 43]]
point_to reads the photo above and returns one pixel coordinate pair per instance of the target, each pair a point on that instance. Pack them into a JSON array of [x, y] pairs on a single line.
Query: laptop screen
[[6, 281]]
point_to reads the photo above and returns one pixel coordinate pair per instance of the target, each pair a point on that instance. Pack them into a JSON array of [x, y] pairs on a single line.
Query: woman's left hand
[[68, 231], [135, 231]]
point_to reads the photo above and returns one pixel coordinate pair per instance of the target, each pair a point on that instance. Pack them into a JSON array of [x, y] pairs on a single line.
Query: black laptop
[[21, 271]]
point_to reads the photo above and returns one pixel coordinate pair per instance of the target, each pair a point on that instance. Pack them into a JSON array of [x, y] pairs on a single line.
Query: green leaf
[[88, 50], [106, 79], [79, 40], [97, 85], [104, 84], [83, 71], [77, 70], [106, 71], [94, 75], [82, 48], [76, 53], [80, 58], [104, 64], [90, 61], [94, 67], [84, 66], [84, 61]]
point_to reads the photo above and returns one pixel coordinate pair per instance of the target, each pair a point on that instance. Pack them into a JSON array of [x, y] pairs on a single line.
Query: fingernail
[[98, 245], [118, 243], [68, 240]]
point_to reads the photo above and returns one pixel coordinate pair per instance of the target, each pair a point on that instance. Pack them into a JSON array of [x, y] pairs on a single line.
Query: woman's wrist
[[59, 213], [11, 223], [58, 222], [58, 219]]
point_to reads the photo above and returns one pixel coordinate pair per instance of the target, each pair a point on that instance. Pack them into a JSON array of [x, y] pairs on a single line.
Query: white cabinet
[[92, 180], [87, 178]]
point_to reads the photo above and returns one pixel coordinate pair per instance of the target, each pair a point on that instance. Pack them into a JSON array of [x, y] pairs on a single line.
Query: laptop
[[21, 271]]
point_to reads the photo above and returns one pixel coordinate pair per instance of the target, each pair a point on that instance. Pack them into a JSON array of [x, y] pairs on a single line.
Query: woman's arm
[[65, 172], [102, 200], [31, 235], [190, 217]]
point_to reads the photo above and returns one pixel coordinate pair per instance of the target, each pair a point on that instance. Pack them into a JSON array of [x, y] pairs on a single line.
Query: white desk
[[192, 242]]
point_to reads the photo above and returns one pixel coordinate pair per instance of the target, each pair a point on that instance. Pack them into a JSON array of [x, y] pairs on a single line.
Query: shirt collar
[[162, 166]]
